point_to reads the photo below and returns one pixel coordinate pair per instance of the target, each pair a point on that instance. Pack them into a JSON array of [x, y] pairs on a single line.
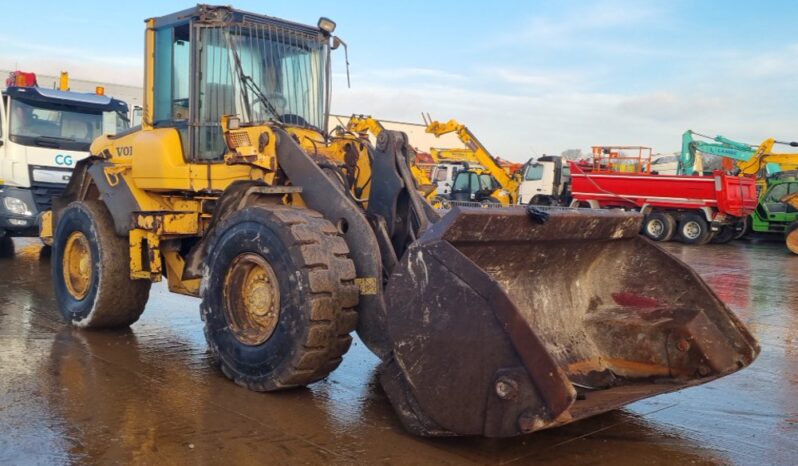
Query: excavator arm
[[481, 154], [750, 159], [722, 147]]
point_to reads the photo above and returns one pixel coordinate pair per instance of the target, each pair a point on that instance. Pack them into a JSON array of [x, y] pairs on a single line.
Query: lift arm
[[364, 124], [764, 156], [481, 154], [453, 155]]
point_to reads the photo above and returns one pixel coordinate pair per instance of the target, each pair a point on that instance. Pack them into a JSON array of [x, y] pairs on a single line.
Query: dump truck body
[[696, 208], [724, 195]]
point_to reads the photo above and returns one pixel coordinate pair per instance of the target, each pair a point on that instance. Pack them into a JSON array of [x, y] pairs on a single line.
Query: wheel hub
[[252, 297], [655, 228], [692, 230], [77, 265]]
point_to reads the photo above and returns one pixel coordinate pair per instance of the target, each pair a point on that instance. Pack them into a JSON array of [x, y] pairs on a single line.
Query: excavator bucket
[[508, 321]]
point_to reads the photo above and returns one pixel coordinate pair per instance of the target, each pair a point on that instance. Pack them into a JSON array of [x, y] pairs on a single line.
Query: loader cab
[[771, 214], [209, 61], [474, 186]]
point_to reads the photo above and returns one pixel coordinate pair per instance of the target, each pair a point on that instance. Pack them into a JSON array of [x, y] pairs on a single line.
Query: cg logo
[[62, 159]]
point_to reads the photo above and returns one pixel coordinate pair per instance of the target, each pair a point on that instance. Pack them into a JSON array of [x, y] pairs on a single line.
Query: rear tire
[[742, 228], [791, 237], [289, 325], [6, 246], [693, 229], [659, 226], [91, 270], [726, 234]]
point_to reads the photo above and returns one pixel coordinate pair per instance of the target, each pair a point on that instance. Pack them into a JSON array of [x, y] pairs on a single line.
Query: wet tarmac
[[150, 395]]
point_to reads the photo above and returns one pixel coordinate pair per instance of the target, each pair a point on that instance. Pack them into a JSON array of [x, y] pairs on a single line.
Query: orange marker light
[[99, 90]]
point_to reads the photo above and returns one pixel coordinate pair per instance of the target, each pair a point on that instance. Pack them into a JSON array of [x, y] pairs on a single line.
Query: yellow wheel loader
[[492, 322]]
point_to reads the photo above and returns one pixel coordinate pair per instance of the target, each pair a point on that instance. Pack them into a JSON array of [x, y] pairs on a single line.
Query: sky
[[528, 77]]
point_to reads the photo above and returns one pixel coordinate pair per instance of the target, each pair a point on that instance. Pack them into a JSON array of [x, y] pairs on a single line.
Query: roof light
[[326, 24], [21, 79], [99, 90], [64, 81]]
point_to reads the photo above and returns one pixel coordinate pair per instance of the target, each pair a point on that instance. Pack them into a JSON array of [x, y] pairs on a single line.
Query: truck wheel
[[742, 228], [6, 246], [693, 229], [791, 237], [724, 235], [659, 226], [91, 270], [279, 297]]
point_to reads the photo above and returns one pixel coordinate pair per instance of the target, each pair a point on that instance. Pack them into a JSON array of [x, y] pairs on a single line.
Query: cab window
[[534, 172], [486, 182], [778, 192], [171, 75], [461, 182]]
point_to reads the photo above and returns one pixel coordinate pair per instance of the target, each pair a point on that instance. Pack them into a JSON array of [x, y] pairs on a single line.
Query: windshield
[[461, 182], [34, 123], [534, 172], [259, 73], [486, 182]]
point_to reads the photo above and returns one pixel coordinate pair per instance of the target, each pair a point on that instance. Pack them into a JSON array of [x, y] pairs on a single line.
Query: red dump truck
[[694, 209]]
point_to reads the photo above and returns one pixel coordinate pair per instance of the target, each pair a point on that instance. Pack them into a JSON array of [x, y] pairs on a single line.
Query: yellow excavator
[[491, 183], [492, 322], [362, 125]]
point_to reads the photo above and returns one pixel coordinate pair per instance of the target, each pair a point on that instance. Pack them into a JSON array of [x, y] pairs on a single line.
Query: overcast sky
[[528, 77]]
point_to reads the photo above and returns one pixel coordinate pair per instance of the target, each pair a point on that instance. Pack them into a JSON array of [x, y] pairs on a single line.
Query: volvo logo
[[63, 159]]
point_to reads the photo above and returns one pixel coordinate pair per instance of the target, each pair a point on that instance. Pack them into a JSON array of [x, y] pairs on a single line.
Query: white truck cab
[[545, 181], [43, 133]]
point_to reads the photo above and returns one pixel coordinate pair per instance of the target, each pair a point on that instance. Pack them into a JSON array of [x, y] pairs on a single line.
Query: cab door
[[775, 212]]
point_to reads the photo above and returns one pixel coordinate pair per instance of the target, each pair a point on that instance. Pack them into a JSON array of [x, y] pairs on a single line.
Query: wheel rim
[[655, 227], [252, 297], [691, 230], [77, 265]]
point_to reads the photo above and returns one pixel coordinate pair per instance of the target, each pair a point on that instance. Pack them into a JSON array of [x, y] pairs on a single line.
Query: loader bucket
[[504, 324]]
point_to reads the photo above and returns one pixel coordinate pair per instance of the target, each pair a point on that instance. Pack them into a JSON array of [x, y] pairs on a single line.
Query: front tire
[[694, 229], [6, 246], [279, 297], [791, 237], [91, 270]]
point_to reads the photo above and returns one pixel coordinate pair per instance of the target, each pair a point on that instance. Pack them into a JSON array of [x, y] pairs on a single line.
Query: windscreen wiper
[[55, 138], [249, 83]]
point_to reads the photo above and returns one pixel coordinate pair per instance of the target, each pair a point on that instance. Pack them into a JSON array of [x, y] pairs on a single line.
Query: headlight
[[16, 206]]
